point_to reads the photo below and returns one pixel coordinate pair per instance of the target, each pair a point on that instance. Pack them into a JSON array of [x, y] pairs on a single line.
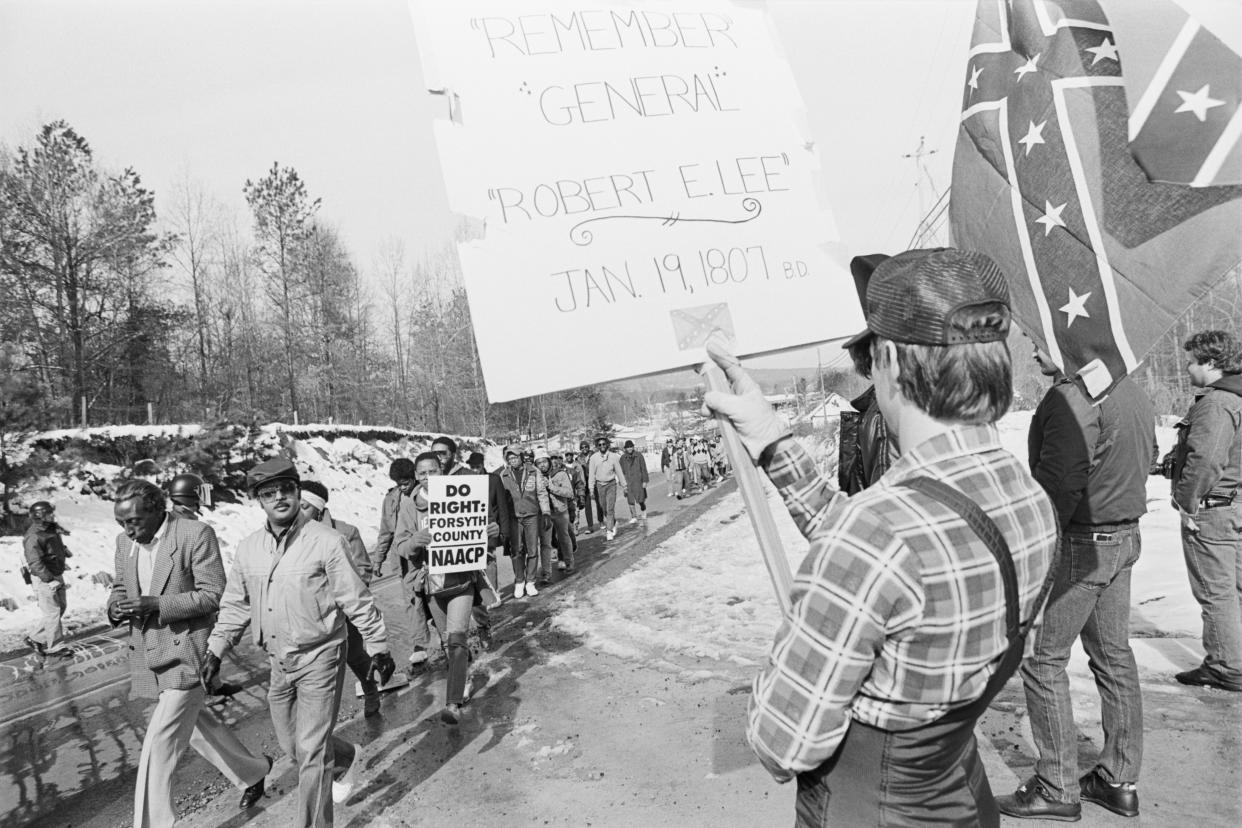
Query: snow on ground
[[704, 595]]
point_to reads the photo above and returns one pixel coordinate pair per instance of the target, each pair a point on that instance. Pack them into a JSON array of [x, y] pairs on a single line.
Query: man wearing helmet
[[183, 491], [45, 558]]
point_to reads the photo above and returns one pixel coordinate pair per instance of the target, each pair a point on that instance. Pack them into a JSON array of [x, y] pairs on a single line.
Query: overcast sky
[[220, 89]]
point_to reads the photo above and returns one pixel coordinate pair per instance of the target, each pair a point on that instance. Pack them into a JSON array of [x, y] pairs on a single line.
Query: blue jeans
[[1214, 563], [1090, 597]]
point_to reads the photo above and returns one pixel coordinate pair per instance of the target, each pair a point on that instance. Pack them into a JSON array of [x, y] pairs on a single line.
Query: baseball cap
[[914, 296], [278, 468]]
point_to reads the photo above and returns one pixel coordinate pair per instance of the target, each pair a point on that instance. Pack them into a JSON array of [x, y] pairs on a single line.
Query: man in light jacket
[[293, 585], [605, 474]]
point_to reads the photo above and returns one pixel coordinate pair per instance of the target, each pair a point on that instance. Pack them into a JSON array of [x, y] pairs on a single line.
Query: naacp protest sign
[[644, 177], [457, 521]]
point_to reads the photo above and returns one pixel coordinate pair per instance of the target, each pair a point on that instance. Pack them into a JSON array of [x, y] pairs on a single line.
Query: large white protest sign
[[643, 179], [457, 521]]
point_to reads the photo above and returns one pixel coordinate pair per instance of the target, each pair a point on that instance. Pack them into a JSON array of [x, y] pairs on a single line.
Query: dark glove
[[382, 667], [545, 523], [210, 671]]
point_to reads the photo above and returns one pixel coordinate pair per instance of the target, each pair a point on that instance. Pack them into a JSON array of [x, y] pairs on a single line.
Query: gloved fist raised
[[210, 671], [753, 417], [382, 667]]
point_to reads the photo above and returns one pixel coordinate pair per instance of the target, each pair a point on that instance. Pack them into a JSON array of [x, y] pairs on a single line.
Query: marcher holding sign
[[456, 530], [913, 604]]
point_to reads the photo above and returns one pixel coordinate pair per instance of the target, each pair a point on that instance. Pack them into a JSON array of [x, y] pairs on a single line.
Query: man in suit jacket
[[169, 578]]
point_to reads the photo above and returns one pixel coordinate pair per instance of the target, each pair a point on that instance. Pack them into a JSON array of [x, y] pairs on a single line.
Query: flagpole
[[753, 496]]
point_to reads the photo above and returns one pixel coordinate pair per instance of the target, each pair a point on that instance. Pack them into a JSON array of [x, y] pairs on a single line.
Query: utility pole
[[921, 174]]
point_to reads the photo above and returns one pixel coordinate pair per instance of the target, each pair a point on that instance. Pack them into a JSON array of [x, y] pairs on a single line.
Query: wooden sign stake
[[753, 496]]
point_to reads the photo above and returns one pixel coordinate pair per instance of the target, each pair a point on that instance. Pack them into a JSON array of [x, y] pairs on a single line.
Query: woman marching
[[450, 597]]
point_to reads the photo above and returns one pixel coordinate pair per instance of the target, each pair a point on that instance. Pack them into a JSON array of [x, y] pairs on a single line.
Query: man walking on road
[[1207, 490], [912, 607], [1093, 461], [605, 473], [169, 578], [314, 497], [399, 498], [293, 584], [46, 559], [634, 469]]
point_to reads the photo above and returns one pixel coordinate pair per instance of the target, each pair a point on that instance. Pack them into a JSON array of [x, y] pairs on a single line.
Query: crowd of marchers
[[928, 568], [301, 585]]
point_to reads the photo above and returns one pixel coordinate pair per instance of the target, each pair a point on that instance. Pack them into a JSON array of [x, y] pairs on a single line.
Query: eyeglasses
[[276, 492]]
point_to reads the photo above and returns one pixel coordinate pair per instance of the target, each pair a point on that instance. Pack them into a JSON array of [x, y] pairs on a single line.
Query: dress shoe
[[451, 714], [37, 646], [1205, 676], [255, 792], [1120, 799], [1033, 801]]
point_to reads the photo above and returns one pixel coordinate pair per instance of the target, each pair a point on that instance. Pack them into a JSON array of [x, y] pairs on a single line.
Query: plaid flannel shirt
[[898, 610]]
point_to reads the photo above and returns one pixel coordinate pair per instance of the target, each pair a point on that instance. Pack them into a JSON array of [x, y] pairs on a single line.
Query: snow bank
[[702, 601]]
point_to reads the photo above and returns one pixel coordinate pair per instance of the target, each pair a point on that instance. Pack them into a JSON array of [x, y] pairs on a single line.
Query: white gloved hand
[[756, 422]]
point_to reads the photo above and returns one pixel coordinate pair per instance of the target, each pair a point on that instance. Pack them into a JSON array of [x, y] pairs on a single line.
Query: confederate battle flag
[[1109, 219]]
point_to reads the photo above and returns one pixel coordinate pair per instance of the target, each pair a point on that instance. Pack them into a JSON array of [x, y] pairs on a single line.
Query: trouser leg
[[51, 600], [453, 616], [1214, 564], [1046, 682], [356, 655], [218, 744], [1106, 640], [167, 736]]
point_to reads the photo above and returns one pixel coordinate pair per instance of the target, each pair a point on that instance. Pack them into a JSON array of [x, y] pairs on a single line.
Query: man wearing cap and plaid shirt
[[913, 604]]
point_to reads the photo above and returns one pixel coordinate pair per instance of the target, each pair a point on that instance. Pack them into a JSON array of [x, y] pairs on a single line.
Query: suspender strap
[[988, 532]]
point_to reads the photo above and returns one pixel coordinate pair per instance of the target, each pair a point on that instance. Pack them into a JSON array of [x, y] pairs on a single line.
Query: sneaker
[[633, 521], [610, 534], [560, 565], [1120, 799], [1034, 801], [531, 591], [343, 787], [1205, 676], [451, 714], [419, 656], [37, 646], [519, 589]]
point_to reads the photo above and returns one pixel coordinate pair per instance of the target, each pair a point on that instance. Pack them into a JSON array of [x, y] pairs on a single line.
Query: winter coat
[[635, 468], [388, 524], [666, 459], [1093, 460], [357, 549], [866, 451], [560, 490], [532, 493], [294, 593], [166, 648], [46, 552], [1208, 460]]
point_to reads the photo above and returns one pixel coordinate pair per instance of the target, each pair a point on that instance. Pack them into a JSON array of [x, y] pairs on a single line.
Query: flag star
[[1106, 49], [1198, 103], [1051, 217], [973, 83], [1075, 307], [1026, 68], [1034, 135]]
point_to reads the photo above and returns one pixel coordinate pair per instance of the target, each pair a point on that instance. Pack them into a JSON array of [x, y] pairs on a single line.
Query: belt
[[1104, 528], [1214, 501]]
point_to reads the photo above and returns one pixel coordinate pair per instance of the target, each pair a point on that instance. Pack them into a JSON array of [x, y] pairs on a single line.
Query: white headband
[[314, 500]]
